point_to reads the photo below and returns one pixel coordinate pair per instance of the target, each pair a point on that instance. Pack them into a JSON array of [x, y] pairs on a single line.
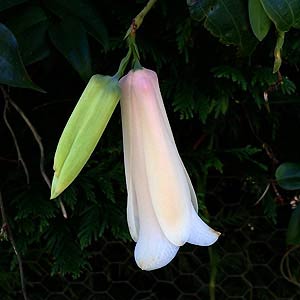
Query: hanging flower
[[162, 205]]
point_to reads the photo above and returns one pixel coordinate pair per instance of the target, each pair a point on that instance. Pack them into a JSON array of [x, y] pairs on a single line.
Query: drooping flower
[[162, 204]]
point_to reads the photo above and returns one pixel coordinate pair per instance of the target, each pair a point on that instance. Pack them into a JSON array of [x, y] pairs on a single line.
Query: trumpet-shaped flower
[[162, 205]]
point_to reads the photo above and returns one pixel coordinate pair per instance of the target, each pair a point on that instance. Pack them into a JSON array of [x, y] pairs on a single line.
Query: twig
[[38, 140], [42, 153], [20, 158], [36, 137], [138, 20], [6, 228], [263, 194]]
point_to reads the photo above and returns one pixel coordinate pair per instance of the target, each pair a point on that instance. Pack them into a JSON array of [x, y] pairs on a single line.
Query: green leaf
[[293, 232], [74, 47], [199, 9], [228, 20], [288, 176], [86, 12], [259, 20], [26, 18], [288, 87], [231, 73], [5, 4], [33, 43], [12, 72], [284, 13], [30, 26]]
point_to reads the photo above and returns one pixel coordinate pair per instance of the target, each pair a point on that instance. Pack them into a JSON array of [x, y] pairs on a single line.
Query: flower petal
[[127, 120], [192, 191], [168, 129], [201, 234], [153, 250], [169, 189]]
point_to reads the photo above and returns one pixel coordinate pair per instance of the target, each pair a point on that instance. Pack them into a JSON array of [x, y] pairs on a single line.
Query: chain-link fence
[[245, 264]]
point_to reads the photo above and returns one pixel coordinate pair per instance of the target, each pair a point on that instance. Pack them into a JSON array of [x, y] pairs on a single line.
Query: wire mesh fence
[[250, 261], [244, 265]]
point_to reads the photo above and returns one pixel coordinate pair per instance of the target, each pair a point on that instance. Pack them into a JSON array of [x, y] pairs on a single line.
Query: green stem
[[135, 52], [138, 20], [123, 64], [140, 17], [130, 35], [277, 51]]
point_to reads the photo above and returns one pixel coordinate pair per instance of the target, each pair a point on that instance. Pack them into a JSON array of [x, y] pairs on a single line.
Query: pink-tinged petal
[[168, 129], [201, 234], [127, 120], [162, 203], [169, 190], [153, 250]]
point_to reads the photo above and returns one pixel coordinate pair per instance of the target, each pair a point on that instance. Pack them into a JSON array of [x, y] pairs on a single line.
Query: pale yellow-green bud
[[83, 130]]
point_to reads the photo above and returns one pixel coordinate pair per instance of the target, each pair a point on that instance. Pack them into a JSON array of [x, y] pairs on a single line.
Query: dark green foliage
[[76, 50], [13, 71], [227, 20], [288, 176], [293, 233], [259, 20], [233, 120], [284, 14]]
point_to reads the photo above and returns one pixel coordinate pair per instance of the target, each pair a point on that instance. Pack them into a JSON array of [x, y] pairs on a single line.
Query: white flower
[[162, 205]]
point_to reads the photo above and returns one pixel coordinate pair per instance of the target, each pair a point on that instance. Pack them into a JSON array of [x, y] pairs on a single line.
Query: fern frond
[[232, 74], [92, 224], [288, 87]]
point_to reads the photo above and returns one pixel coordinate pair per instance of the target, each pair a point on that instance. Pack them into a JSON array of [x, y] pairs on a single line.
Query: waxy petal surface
[[162, 204]]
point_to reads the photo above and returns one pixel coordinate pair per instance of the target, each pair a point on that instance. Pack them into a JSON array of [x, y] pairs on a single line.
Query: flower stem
[[130, 34], [140, 17], [138, 20], [123, 64]]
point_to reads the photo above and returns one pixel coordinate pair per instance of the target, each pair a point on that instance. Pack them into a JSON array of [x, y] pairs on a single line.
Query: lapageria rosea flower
[[162, 204]]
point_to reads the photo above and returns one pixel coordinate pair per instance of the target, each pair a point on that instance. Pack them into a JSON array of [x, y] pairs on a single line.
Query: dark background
[[230, 140]]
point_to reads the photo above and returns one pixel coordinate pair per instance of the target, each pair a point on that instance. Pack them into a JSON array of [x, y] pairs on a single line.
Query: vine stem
[[138, 20], [130, 34], [6, 228], [20, 157], [38, 141]]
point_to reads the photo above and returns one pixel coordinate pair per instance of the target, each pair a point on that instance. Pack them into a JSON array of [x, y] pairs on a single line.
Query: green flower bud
[[83, 130]]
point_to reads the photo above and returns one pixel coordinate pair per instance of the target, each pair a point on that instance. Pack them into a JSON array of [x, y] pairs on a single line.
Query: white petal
[[169, 189], [165, 120], [132, 215], [192, 191], [127, 119], [201, 234], [154, 251]]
